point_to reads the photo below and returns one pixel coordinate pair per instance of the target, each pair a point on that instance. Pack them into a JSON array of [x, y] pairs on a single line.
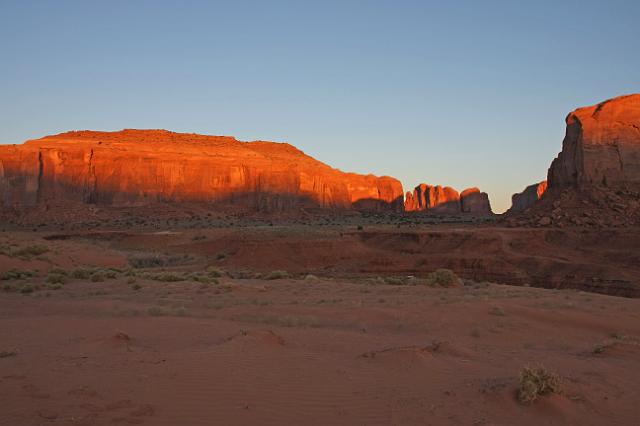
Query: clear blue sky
[[462, 93]]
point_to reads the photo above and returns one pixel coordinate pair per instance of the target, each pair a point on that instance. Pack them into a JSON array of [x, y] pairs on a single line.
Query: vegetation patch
[[97, 277], [82, 273], [276, 275], [536, 381], [443, 278], [25, 253], [16, 274], [7, 354], [159, 261], [497, 311], [56, 278]]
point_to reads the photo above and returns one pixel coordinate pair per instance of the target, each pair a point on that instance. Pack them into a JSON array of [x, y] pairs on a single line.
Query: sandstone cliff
[[601, 146], [439, 199], [134, 167], [527, 198], [595, 180]]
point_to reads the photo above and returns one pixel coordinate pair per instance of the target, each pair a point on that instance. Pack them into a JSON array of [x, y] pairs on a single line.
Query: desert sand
[[343, 337]]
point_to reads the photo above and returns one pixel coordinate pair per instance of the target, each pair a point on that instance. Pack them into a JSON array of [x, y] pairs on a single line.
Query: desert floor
[[149, 335]]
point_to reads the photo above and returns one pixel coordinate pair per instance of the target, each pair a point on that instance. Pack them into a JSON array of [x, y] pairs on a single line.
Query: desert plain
[[284, 323], [151, 277]]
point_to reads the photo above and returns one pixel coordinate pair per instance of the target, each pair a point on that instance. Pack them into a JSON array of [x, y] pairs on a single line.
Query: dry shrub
[[82, 273], [55, 278], [537, 381], [443, 278], [16, 274], [25, 253], [277, 275], [97, 277]]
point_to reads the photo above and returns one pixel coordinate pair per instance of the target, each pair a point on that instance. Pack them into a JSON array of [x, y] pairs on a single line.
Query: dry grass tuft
[[16, 274], [537, 381], [8, 353], [443, 278], [25, 253], [56, 278], [276, 275]]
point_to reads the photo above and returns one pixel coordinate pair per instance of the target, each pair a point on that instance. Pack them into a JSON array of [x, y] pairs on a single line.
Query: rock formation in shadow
[[525, 199]]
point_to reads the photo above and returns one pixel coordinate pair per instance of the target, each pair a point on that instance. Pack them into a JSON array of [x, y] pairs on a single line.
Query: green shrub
[[443, 278], [136, 287], [131, 280]]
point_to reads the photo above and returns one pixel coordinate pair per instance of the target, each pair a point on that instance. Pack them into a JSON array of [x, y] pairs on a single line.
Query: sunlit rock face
[[595, 180], [601, 146], [132, 167], [439, 199], [525, 199]]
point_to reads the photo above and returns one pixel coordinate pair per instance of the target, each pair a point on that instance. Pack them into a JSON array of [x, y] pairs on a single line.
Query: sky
[[457, 93]]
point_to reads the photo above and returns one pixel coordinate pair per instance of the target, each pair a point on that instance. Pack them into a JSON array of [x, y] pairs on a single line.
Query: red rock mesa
[[132, 167]]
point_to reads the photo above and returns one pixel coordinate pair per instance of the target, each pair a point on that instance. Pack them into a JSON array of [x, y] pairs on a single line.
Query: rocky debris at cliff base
[[585, 207]]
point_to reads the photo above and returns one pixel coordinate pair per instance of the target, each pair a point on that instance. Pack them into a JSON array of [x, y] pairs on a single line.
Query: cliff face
[[438, 199], [595, 180], [525, 199], [601, 146], [133, 167]]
